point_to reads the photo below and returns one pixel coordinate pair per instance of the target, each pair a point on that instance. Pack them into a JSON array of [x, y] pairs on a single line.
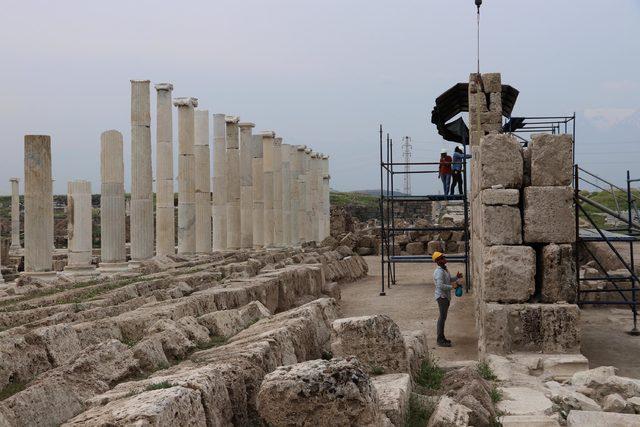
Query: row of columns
[[263, 193]]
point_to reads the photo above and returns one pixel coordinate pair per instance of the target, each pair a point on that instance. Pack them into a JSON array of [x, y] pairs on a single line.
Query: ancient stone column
[[308, 232], [165, 205], [219, 210], [113, 252], [303, 219], [233, 183], [186, 176], [268, 188], [286, 195], [15, 215], [51, 222], [258, 190], [277, 193], [203, 182], [295, 194], [326, 193], [313, 166], [38, 208], [79, 229], [142, 233], [246, 185]]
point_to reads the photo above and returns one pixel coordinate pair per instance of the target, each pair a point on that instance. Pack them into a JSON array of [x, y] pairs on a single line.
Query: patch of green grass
[[216, 341], [430, 375], [486, 372], [11, 389], [159, 386], [418, 413], [377, 370], [128, 342], [496, 395]]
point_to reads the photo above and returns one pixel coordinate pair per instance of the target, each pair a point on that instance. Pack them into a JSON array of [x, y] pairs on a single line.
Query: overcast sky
[[323, 73]]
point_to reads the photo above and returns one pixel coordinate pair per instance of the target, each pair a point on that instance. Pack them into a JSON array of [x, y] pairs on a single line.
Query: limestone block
[[501, 225], [500, 196], [500, 161], [634, 403], [375, 340], [508, 273], [615, 403], [523, 401], [319, 393], [170, 406], [393, 392], [415, 248], [591, 377], [433, 246], [549, 215], [528, 421], [492, 82], [551, 160], [558, 271], [448, 414], [415, 343], [593, 418], [60, 341], [550, 328], [568, 399]]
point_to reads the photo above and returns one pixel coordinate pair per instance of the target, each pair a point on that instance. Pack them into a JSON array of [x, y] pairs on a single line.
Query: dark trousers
[[456, 179], [443, 305]]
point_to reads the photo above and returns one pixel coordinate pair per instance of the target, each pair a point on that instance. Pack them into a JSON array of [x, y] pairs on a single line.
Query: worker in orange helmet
[[443, 285]]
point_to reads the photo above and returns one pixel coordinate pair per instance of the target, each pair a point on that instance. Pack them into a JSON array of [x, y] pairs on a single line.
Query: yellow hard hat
[[436, 255]]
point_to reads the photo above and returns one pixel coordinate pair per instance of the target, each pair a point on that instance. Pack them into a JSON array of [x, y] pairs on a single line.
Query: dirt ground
[[412, 306]]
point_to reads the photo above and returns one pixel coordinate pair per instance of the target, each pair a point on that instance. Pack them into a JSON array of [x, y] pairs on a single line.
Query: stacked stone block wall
[[523, 233]]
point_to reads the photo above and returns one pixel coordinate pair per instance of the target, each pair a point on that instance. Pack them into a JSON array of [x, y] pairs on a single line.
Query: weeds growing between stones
[[430, 375], [486, 372]]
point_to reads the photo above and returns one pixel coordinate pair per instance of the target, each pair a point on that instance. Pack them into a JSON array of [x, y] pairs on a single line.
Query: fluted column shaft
[[203, 182], [277, 192], [165, 205], [112, 210], [258, 190], [38, 211], [246, 185], [326, 193], [295, 194], [302, 193], [233, 183], [15, 214], [315, 197], [286, 195], [142, 233], [308, 232], [186, 176], [268, 188], [219, 211], [79, 227]]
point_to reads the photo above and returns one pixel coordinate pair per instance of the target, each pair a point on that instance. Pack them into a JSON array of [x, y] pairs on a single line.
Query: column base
[[80, 271], [45, 276], [113, 268]]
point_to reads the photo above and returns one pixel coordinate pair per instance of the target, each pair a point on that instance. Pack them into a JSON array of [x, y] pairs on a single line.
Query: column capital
[[164, 86], [307, 150], [268, 134], [301, 147], [277, 140], [325, 157], [185, 102], [14, 179], [232, 119], [244, 125], [139, 81]]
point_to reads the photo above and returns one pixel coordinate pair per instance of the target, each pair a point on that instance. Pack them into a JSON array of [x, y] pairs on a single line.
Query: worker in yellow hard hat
[[443, 285]]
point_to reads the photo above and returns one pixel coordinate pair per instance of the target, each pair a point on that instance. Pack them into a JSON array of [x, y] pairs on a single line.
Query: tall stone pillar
[[295, 194], [38, 209], [186, 176], [246, 185], [51, 223], [305, 183], [203, 182], [219, 211], [302, 191], [286, 195], [113, 252], [165, 205], [233, 183], [79, 229], [326, 194], [142, 233], [258, 190], [15, 215], [277, 192], [268, 188]]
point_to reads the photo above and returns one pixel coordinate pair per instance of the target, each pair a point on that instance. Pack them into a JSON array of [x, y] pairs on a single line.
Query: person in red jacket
[[444, 171]]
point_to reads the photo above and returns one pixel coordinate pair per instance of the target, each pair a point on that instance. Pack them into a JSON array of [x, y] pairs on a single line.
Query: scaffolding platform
[[592, 235]]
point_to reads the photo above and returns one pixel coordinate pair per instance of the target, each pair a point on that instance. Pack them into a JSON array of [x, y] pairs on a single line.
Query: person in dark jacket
[[444, 171], [456, 169]]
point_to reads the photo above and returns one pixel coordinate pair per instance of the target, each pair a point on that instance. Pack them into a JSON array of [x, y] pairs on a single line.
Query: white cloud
[[605, 118]]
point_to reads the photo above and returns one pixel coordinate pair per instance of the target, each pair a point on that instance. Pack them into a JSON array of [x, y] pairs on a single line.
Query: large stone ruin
[[523, 232]]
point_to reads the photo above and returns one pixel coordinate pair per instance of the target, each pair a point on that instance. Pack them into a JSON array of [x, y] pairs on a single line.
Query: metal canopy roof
[[455, 101]]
